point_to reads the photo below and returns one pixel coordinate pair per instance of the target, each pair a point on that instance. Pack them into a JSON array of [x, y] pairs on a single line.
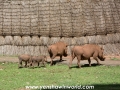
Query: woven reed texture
[[59, 17], [29, 26], [35, 45]]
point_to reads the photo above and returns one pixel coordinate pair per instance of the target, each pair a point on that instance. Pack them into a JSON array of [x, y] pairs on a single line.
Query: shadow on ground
[[87, 65], [56, 61], [107, 87]]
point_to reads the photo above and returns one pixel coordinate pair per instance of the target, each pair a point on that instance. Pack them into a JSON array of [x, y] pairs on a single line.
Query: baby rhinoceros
[[38, 59], [24, 58]]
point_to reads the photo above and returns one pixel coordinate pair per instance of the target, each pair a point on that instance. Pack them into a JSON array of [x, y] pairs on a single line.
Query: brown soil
[[110, 60]]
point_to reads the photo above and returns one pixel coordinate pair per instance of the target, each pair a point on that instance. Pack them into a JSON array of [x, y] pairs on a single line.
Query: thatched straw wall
[[29, 26], [35, 45], [59, 17]]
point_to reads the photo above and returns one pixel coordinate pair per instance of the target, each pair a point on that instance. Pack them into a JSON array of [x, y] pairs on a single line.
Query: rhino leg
[[32, 64], [70, 62], [89, 61], [78, 63], [97, 60], [52, 59], [60, 58], [20, 63], [38, 64], [95, 57], [25, 64], [43, 63]]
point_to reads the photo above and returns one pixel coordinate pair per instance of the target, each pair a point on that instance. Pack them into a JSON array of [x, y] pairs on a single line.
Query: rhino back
[[24, 57], [57, 48], [40, 58], [90, 49], [61, 46]]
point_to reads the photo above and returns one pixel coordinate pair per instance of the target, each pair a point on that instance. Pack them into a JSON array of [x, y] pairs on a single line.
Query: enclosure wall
[[28, 26]]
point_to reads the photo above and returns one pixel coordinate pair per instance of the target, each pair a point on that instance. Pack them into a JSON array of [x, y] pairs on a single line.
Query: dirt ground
[[110, 60]]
